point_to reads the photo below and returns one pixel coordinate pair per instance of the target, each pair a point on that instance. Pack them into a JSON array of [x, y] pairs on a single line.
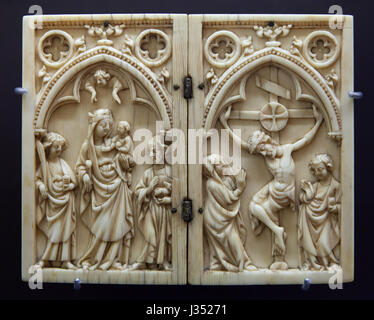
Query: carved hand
[[153, 183], [69, 187], [87, 183], [332, 207], [167, 185], [240, 179], [43, 191], [165, 200], [307, 187]]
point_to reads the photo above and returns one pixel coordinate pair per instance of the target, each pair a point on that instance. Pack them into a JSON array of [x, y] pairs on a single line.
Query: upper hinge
[[187, 87], [187, 214]]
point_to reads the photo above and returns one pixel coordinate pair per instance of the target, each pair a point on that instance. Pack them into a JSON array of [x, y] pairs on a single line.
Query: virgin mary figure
[[106, 201], [223, 224]]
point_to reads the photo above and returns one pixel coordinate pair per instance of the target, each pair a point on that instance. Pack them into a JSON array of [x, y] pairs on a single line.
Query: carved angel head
[[101, 77]]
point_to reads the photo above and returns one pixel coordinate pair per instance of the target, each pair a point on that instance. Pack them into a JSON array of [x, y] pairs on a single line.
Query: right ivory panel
[[273, 197]]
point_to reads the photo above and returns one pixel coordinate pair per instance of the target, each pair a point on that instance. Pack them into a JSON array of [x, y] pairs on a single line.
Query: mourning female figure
[[223, 225], [56, 214], [319, 231], [105, 201]]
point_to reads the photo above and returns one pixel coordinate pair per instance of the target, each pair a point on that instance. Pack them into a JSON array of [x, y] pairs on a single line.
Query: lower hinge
[[187, 87]]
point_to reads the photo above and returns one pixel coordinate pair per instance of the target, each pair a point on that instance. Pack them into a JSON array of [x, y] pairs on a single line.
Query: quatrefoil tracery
[[153, 47], [55, 48], [321, 49], [222, 49]]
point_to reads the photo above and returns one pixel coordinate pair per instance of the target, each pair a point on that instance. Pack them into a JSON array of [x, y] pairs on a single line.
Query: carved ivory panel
[[118, 107], [278, 88], [91, 208]]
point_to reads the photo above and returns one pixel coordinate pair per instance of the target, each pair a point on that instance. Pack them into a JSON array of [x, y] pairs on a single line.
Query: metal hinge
[[187, 215], [187, 87]]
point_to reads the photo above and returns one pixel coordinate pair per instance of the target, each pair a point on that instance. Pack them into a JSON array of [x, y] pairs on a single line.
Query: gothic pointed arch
[[215, 103]]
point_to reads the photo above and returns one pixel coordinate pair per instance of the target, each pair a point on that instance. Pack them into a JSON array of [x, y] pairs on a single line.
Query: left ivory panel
[[92, 207]]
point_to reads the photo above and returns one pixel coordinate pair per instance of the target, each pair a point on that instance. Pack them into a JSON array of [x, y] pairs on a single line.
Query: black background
[[11, 286]]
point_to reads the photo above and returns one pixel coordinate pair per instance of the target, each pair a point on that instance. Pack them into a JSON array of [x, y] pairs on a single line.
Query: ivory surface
[[284, 81], [91, 211]]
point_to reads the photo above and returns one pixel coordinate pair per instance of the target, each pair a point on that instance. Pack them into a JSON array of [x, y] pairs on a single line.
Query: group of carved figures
[[318, 214], [106, 204], [100, 193]]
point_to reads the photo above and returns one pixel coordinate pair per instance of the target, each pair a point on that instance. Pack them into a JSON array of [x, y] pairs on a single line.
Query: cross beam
[[255, 115]]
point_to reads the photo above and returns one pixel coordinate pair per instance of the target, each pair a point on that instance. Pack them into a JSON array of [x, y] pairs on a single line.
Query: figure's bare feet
[[116, 266], [105, 266], [39, 265], [138, 266], [167, 266], [215, 267], [279, 265], [306, 266], [250, 267], [68, 265], [314, 264], [86, 266]]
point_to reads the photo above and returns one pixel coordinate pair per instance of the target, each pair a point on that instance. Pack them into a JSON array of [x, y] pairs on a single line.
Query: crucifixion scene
[[282, 125]]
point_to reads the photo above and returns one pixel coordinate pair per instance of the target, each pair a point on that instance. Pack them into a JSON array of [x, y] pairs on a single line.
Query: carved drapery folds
[[271, 91], [282, 99], [91, 79]]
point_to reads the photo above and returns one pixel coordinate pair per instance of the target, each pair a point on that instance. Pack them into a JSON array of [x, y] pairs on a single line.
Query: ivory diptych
[[103, 87]]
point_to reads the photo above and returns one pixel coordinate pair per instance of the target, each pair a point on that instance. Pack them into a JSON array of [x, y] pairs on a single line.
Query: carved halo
[[222, 48], [274, 116], [46, 41], [161, 54], [321, 49]]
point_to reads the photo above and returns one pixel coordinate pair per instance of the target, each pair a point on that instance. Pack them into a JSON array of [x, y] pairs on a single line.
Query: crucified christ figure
[[279, 193]]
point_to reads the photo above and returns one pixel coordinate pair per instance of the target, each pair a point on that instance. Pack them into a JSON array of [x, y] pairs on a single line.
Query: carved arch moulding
[[270, 91]]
